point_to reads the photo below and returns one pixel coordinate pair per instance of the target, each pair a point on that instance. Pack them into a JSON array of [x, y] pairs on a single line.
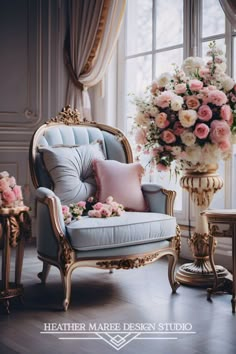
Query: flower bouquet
[[10, 192], [92, 208], [188, 117]]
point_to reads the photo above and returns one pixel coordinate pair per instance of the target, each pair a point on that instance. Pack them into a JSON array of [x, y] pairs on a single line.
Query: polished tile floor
[[140, 297]]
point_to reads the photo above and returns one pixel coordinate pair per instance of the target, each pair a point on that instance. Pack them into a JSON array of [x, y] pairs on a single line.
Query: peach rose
[[226, 113], [195, 85], [162, 120], [192, 102], [220, 131], [187, 118], [205, 113], [201, 130], [168, 137]]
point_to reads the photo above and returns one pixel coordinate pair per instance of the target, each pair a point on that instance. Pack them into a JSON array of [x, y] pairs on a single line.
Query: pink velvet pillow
[[121, 181]]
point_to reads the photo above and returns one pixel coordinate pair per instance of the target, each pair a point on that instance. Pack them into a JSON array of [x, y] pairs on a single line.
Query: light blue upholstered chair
[[125, 242]]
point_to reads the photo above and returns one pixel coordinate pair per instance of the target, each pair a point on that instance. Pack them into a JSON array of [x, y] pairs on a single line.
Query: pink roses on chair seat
[[105, 210], [92, 209]]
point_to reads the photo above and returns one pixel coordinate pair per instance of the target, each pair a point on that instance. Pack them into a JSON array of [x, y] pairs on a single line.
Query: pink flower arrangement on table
[[92, 208], [10, 192], [188, 117]]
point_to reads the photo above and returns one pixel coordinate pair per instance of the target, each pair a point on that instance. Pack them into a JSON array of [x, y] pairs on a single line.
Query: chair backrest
[[67, 130]]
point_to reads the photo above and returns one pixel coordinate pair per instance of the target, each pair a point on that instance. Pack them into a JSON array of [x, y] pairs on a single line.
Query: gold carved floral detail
[[128, 263], [199, 244], [67, 116], [66, 254], [176, 241]]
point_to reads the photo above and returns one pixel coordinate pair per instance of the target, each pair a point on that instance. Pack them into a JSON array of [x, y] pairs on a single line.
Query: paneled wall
[[33, 78]]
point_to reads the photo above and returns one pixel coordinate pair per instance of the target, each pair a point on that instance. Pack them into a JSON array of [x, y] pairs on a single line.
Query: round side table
[[225, 217], [15, 227]]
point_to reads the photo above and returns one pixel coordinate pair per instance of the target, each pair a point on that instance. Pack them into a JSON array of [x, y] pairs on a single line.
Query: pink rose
[[8, 196], [195, 85], [105, 212], [168, 137], [217, 97], [164, 99], [220, 131], [180, 88], [226, 113], [201, 130], [178, 129], [205, 113], [224, 145], [17, 192], [192, 102], [94, 214], [81, 204], [140, 136], [98, 206], [162, 120], [3, 184], [204, 72], [162, 168], [65, 209]]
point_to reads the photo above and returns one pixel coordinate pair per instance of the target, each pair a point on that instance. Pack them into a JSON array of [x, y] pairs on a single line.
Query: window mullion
[[153, 38]]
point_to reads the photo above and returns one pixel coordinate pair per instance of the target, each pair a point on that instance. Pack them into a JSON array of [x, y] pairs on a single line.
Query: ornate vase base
[[193, 274]]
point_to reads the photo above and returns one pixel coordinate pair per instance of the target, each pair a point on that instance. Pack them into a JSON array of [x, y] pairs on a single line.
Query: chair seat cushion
[[128, 229]]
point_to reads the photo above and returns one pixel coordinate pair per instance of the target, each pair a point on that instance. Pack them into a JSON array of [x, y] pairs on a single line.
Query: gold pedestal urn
[[201, 184]]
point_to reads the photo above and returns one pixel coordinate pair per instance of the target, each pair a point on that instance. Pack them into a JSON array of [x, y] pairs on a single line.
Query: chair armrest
[[50, 222], [44, 195], [159, 200]]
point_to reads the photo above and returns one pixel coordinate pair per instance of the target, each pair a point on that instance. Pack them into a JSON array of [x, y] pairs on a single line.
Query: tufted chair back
[[113, 143]]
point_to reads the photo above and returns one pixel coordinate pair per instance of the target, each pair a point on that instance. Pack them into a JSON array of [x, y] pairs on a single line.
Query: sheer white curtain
[[93, 30], [229, 7]]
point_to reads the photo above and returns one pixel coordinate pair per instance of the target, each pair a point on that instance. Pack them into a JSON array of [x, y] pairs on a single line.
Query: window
[[161, 33]]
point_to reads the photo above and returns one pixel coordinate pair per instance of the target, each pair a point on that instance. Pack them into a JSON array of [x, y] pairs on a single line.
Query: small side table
[[224, 217], [15, 227]]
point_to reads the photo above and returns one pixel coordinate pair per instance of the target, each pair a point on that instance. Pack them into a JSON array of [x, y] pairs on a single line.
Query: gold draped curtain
[[92, 33]]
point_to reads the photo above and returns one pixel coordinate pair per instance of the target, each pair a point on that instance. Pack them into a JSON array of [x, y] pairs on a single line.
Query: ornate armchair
[[132, 240]]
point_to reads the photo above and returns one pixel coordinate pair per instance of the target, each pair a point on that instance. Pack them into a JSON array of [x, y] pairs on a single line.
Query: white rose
[[191, 64], [141, 119], [164, 79], [176, 150], [176, 103], [188, 138], [227, 83], [187, 117], [193, 154], [210, 154], [153, 111]]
